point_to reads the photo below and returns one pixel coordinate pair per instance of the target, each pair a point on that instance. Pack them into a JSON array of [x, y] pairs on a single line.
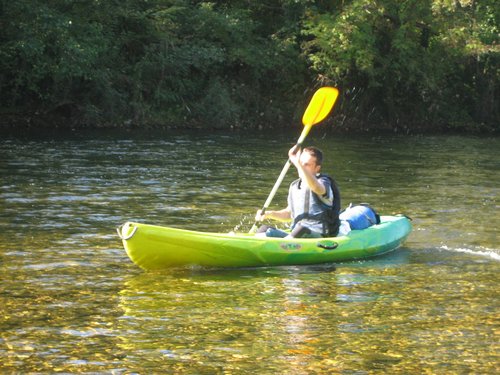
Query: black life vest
[[328, 217]]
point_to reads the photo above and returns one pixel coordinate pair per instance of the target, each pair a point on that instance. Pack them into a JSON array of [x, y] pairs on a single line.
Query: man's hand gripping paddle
[[319, 107]]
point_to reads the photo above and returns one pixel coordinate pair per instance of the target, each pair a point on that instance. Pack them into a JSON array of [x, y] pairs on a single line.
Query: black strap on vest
[[307, 201]]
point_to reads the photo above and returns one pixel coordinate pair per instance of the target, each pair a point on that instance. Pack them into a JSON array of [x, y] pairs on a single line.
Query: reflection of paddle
[[319, 107]]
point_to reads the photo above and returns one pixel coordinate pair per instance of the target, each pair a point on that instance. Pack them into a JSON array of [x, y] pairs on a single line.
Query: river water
[[71, 301]]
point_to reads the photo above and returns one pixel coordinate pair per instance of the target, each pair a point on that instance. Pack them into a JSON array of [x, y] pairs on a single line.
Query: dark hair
[[316, 152]]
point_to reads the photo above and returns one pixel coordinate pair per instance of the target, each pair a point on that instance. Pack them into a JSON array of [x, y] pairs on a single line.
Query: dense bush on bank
[[240, 64]]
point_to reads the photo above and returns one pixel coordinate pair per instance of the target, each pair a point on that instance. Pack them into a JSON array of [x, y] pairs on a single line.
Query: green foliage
[[245, 64], [144, 62], [417, 61]]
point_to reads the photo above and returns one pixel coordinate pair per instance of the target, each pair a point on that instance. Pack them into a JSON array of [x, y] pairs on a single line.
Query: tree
[[410, 59], [399, 63]]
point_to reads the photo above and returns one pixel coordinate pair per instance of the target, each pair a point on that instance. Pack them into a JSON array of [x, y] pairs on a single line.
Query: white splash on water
[[489, 253]]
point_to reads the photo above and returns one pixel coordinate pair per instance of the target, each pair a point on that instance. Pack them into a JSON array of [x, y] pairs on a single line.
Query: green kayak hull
[[153, 247]]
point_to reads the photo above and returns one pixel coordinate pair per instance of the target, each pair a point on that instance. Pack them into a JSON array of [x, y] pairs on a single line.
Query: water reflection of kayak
[[153, 247]]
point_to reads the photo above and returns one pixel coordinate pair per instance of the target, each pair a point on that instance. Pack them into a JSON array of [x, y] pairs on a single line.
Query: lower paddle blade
[[320, 105]]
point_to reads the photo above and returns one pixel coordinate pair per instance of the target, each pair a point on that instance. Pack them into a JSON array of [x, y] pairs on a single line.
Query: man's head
[[311, 159], [316, 152]]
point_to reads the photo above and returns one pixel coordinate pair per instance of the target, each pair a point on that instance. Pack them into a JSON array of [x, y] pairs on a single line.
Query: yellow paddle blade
[[320, 105]]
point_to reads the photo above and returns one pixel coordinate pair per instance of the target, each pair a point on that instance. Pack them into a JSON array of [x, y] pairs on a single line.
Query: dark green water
[[71, 301]]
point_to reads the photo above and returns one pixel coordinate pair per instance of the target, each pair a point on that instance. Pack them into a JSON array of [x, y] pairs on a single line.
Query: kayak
[[154, 247]]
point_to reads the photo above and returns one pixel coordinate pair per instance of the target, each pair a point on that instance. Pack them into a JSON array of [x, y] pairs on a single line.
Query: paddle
[[319, 107]]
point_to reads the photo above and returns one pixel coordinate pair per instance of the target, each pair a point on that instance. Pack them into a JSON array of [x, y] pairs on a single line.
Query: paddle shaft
[[281, 177]]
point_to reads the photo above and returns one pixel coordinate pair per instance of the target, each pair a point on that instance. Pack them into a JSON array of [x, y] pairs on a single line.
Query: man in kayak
[[313, 200]]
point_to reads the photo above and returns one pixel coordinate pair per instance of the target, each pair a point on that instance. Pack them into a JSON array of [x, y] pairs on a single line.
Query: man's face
[[308, 162]]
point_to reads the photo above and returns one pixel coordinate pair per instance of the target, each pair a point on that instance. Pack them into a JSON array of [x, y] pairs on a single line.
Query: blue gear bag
[[360, 216]]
